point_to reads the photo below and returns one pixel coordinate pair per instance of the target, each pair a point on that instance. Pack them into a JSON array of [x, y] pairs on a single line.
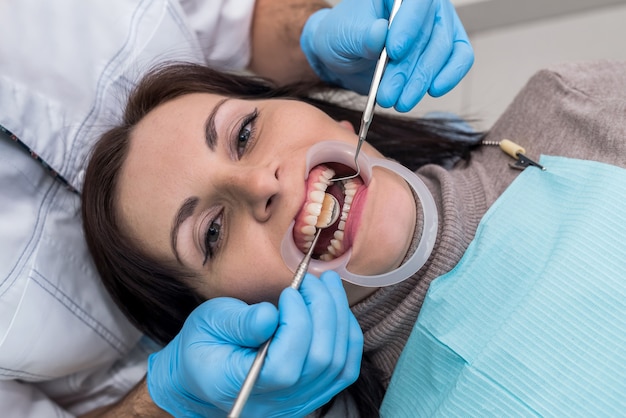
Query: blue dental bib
[[532, 321]]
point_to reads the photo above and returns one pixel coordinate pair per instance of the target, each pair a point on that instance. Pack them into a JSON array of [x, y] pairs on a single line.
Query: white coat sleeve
[[25, 400], [222, 28]]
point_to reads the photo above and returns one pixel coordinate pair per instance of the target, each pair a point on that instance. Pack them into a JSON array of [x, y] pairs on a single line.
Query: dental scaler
[[368, 113]]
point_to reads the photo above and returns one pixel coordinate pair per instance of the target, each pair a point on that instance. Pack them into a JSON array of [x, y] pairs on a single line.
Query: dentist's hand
[[316, 353], [428, 48]]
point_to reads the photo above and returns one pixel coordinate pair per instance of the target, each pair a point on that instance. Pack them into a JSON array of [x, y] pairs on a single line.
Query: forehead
[[169, 135], [176, 115]]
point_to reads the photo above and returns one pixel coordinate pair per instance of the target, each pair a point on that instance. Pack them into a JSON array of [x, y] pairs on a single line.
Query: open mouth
[[336, 239]]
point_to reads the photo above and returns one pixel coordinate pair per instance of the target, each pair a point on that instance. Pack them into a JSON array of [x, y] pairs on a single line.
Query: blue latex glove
[[428, 48], [316, 353]]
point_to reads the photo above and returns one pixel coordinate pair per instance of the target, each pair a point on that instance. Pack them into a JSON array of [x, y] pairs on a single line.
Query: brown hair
[[156, 295]]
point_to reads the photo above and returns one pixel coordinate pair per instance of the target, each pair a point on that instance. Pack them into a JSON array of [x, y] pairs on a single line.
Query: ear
[[347, 125]]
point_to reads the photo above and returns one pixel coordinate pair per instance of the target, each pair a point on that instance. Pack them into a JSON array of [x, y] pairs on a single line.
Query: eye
[[212, 238], [246, 133], [244, 136]]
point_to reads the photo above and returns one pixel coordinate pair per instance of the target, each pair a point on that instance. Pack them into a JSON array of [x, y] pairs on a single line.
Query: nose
[[257, 187]]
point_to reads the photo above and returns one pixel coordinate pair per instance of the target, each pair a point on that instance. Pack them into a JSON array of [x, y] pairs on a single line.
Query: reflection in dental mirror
[[320, 160]]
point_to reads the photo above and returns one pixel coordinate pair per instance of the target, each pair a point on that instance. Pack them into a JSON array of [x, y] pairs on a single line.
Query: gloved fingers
[[410, 34], [355, 351], [215, 373], [435, 66], [325, 388], [290, 346], [356, 52], [354, 34], [356, 56], [428, 64], [348, 342], [231, 320], [372, 42], [317, 387], [360, 83], [395, 79], [410, 28], [319, 381], [323, 310], [216, 347], [459, 63], [332, 281], [360, 41], [342, 43], [352, 364]]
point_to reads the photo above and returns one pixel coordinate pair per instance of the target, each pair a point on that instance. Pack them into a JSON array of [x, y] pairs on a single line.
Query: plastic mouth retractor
[[343, 153]]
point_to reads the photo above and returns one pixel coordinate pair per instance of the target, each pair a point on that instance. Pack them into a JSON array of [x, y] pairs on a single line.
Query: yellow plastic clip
[[518, 152], [511, 148]]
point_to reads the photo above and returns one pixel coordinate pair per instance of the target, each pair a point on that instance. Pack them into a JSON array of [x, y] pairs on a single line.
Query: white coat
[[65, 68]]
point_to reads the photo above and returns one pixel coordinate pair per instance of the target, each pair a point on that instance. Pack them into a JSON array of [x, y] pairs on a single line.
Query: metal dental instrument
[[257, 364], [368, 113]]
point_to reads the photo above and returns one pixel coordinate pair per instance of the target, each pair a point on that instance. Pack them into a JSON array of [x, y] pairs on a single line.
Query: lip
[[354, 217]]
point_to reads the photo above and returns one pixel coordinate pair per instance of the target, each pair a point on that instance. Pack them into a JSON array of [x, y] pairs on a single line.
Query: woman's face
[[214, 183]]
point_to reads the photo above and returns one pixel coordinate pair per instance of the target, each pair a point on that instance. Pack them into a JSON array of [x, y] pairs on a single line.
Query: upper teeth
[[313, 209]]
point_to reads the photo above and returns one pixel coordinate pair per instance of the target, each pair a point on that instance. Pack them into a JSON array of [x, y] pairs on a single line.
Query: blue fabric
[[532, 321]]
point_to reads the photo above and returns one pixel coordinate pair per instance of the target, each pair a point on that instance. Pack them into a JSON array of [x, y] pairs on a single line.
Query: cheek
[[312, 125], [252, 272], [386, 228]]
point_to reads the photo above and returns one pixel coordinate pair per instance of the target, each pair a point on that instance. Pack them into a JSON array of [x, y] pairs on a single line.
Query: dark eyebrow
[[184, 212], [210, 133]]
